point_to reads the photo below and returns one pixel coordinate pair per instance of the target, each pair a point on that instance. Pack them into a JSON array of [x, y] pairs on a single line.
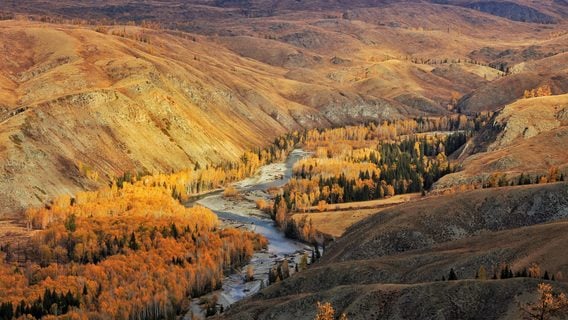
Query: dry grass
[[343, 215], [230, 192], [335, 223], [397, 199]]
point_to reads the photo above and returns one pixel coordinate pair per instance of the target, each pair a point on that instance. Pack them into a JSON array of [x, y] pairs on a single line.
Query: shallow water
[[241, 212]]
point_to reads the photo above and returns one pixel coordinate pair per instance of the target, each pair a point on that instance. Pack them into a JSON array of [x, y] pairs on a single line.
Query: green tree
[[71, 223], [452, 276]]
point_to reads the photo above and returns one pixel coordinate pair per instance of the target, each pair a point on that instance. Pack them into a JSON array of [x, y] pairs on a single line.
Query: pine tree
[[546, 276], [452, 276], [132, 244]]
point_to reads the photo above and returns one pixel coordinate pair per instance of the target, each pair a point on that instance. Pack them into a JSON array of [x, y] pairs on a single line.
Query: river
[[241, 212]]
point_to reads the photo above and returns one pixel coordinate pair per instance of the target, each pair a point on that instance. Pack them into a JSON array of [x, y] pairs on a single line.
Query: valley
[[241, 211], [260, 159]]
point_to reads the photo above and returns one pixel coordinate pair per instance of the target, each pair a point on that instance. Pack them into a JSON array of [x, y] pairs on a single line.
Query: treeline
[[133, 252], [369, 135], [502, 180], [51, 303], [496, 180], [504, 271], [198, 179], [542, 91], [82, 21], [434, 61]]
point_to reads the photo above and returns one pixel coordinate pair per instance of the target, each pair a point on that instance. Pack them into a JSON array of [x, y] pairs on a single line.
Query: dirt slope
[[525, 137], [387, 265]]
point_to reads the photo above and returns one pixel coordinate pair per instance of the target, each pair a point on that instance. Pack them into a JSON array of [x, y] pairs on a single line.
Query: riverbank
[[241, 212]]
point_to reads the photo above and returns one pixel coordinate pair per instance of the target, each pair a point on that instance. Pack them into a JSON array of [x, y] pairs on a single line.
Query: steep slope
[[526, 137], [387, 265], [116, 104]]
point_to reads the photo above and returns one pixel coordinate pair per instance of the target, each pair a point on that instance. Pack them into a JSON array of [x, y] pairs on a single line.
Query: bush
[[230, 192]]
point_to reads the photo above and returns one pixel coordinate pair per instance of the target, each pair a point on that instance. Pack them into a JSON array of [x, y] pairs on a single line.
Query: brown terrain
[[90, 89], [389, 265], [337, 218], [148, 100], [524, 138]]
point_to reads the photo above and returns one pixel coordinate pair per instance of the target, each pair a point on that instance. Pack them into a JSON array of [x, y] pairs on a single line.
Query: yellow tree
[[281, 214], [325, 311], [548, 305]]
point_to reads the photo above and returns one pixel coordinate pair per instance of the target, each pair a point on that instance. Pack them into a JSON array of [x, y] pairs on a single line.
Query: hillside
[[242, 77], [94, 94], [524, 138], [390, 264], [116, 104]]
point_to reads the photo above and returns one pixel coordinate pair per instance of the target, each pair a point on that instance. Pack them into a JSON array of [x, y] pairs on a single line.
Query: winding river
[[241, 212]]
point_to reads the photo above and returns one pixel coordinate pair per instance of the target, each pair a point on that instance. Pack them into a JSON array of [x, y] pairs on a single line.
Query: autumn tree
[[281, 214], [548, 305], [303, 262], [250, 273], [482, 273], [325, 311]]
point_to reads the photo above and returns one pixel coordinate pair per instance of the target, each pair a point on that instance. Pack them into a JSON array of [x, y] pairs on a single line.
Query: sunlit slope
[[115, 104], [127, 98], [526, 137]]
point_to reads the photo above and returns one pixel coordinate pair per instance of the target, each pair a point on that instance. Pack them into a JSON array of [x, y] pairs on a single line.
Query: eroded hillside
[[390, 265], [525, 138], [98, 98]]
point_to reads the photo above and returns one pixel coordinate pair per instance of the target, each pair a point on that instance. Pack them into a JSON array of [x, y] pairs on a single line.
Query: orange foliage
[[137, 250]]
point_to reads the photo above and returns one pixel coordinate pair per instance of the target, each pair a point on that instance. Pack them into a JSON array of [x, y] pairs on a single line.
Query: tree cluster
[[542, 91], [133, 252]]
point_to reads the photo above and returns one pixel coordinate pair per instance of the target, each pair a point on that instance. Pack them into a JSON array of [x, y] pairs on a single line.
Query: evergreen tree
[[452, 276], [132, 244]]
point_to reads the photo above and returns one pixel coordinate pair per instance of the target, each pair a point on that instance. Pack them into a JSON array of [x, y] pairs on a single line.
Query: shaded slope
[[436, 220], [512, 11], [386, 265]]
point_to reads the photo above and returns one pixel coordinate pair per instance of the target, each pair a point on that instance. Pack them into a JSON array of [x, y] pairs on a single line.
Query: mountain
[[92, 89], [129, 98]]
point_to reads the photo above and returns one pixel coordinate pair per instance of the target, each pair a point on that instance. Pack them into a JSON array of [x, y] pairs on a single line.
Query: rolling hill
[[390, 265], [91, 94], [92, 89]]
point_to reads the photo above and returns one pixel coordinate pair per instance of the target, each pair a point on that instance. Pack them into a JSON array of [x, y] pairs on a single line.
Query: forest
[[129, 250], [369, 162], [133, 252]]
